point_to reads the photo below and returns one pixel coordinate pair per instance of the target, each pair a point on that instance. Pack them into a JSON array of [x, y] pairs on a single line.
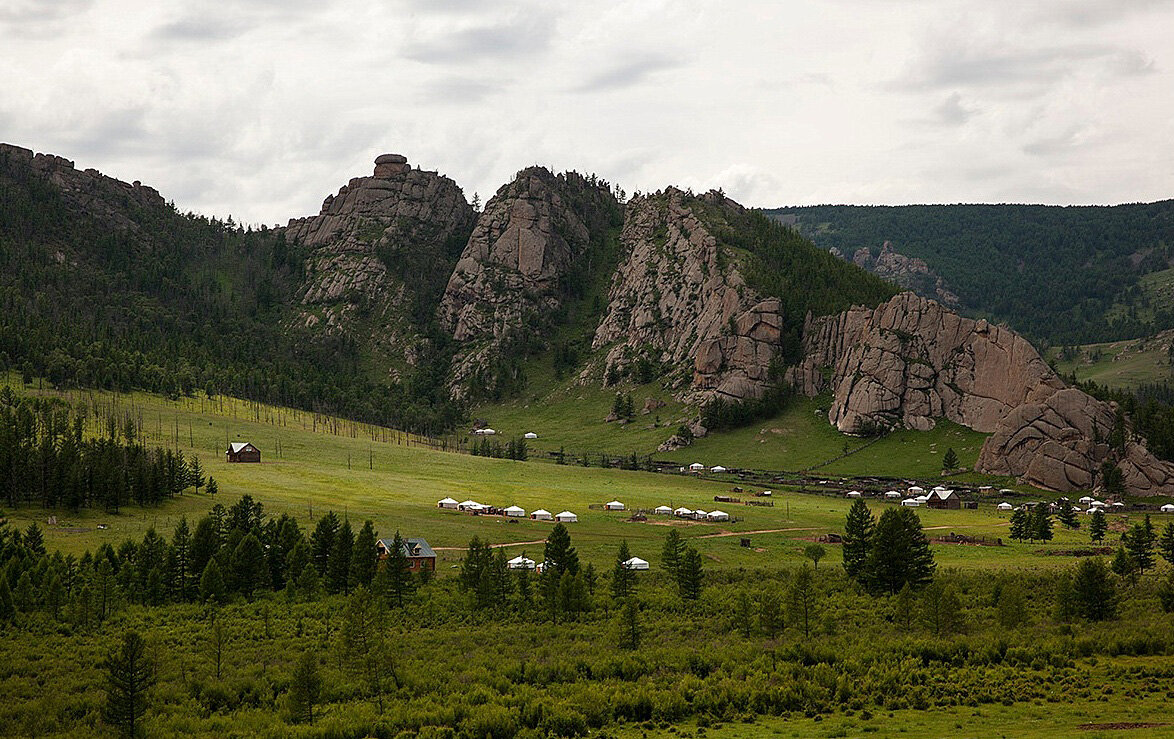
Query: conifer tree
[[1020, 525], [305, 688], [205, 545], [1040, 523], [248, 565], [630, 633], [770, 614], [857, 535], [365, 557], [1139, 542], [802, 598], [690, 575], [899, 553], [1089, 593], [398, 580], [195, 473], [34, 540], [1098, 526], [623, 580], [7, 607], [212, 583], [560, 556], [339, 565], [1067, 516], [670, 556], [129, 677], [322, 542], [182, 574], [950, 461], [1166, 541]]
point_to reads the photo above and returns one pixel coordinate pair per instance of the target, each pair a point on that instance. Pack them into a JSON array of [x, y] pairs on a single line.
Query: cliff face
[[677, 300], [379, 247], [911, 361]]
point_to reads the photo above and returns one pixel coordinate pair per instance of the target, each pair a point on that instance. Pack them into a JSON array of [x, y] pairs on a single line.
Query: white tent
[[1118, 504], [485, 432], [700, 514], [515, 511], [683, 512], [1087, 499], [696, 467], [922, 498], [566, 517], [635, 563], [939, 489], [521, 562], [1091, 511], [663, 510], [470, 505], [855, 494], [529, 435], [892, 494], [446, 503], [717, 468], [911, 502], [1097, 504], [1005, 491], [615, 505], [1168, 508], [718, 516], [541, 515], [765, 494], [915, 490], [1004, 506]]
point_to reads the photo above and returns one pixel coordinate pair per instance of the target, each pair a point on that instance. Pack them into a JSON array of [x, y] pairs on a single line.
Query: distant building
[[943, 499], [246, 452], [420, 555]]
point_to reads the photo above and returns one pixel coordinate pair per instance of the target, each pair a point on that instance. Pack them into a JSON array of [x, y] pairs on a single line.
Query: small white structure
[[683, 512], [447, 503], [892, 494], [635, 563], [765, 494], [566, 517], [922, 498], [1005, 491], [939, 489], [1097, 504], [911, 503], [529, 435], [521, 562], [1091, 511], [515, 511], [915, 490], [1087, 499], [700, 515], [1118, 504], [1004, 506], [718, 516], [696, 467], [470, 505], [1168, 508], [663, 510], [615, 505], [717, 468], [484, 432], [541, 515], [855, 494]]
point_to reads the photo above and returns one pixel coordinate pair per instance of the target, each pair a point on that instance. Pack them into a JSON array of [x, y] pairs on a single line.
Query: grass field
[[327, 464], [1120, 364]]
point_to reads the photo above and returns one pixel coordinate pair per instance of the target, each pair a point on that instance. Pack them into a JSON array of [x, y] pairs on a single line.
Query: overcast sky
[[260, 108]]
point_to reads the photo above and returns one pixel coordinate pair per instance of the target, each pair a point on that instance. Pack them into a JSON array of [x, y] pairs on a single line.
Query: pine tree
[[34, 540], [363, 641], [195, 473], [940, 609], [950, 461], [182, 575], [339, 567], [248, 565], [205, 545], [630, 633], [1040, 523], [129, 677], [560, 556], [1124, 565], [690, 575], [296, 561], [623, 580], [212, 584], [7, 607], [305, 688], [743, 616], [1166, 541], [1020, 525], [1090, 593], [398, 578], [1139, 542], [670, 556], [1067, 516], [899, 553], [365, 557], [1098, 526], [770, 614], [857, 535], [801, 600], [322, 542]]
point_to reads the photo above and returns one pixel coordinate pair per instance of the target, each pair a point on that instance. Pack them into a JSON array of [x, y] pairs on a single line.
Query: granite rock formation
[[910, 273]]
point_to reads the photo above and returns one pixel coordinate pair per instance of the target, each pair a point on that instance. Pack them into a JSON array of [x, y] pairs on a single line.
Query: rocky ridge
[[369, 245], [510, 274], [910, 273], [911, 361], [679, 302]]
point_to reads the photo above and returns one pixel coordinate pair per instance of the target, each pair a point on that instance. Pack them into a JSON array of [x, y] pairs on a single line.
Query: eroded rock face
[[910, 273], [510, 276], [911, 361], [678, 301], [1060, 443], [367, 246]]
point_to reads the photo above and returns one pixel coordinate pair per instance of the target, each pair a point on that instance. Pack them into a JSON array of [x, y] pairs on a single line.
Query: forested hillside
[[1067, 275], [102, 284]]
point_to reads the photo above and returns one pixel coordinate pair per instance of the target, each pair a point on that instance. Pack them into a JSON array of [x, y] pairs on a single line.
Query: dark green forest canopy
[[1050, 272], [130, 294]]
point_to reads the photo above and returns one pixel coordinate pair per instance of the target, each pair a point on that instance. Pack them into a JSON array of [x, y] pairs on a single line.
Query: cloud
[[39, 11], [626, 74], [1059, 143], [952, 112], [523, 35], [1092, 14], [201, 28]]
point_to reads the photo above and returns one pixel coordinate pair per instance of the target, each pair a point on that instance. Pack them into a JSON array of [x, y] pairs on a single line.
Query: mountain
[[399, 303], [1065, 275]]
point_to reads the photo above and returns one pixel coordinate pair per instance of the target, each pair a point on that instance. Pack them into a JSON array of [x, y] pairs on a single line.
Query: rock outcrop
[[382, 243], [912, 361], [527, 242], [1061, 442], [910, 273], [680, 302]]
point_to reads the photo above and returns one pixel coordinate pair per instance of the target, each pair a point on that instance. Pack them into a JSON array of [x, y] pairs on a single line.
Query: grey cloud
[[1089, 14], [952, 112], [41, 11], [626, 74], [200, 29], [459, 91], [1057, 144], [116, 131], [521, 36]]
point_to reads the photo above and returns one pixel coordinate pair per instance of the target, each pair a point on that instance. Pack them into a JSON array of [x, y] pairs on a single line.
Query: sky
[[260, 108]]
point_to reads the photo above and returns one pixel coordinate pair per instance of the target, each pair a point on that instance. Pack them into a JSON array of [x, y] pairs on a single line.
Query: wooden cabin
[[243, 452]]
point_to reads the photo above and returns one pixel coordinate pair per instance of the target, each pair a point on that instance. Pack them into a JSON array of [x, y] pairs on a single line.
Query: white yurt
[[1168, 508], [614, 505], [915, 490], [485, 432], [663, 510], [470, 505], [1091, 511], [529, 435], [911, 502], [515, 511], [855, 494], [765, 494], [1004, 506], [696, 467], [566, 517], [521, 562], [447, 503], [1118, 504], [718, 516], [717, 468], [683, 512], [892, 494], [1087, 499], [635, 563], [541, 515], [1097, 504], [922, 499], [700, 515]]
